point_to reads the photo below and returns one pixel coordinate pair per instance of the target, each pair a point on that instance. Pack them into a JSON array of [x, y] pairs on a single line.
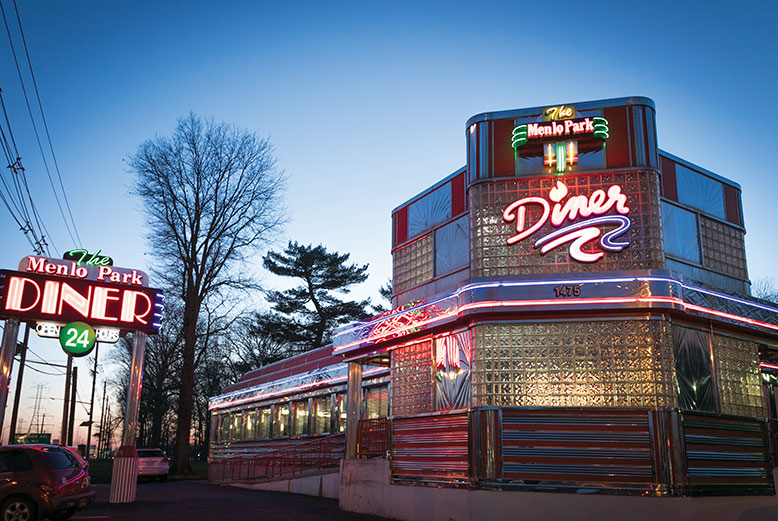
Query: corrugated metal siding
[[577, 446], [726, 451], [430, 446]]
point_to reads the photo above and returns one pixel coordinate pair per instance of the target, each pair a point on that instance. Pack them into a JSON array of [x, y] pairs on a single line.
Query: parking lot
[[197, 500]]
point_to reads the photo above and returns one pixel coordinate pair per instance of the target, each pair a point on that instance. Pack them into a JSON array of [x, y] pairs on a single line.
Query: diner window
[[453, 358], [693, 369], [250, 424], [323, 415], [451, 246], [699, 191], [236, 428], [281, 421], [680, 232], [429, 210], [265, 423], [341, 412], [300, 418], [377, 402], [224, 427]]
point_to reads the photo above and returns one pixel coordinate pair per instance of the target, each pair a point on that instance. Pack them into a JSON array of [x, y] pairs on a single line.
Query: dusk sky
[[366, 105]]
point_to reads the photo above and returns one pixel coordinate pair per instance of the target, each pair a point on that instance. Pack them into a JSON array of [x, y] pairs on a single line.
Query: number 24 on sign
[[77, 338]]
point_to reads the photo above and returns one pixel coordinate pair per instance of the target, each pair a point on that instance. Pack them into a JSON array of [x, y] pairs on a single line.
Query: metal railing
[[373, 437], [317, 454]]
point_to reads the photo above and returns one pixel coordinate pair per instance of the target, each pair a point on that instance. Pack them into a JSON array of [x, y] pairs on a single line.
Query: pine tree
[[307, 314]]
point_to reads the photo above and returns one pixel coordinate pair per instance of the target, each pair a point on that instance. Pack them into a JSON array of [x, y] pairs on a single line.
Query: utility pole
[[64, 436], [92, 402], [17, 396], [108, 427], [100, 438], [7, 350], [72, 405]]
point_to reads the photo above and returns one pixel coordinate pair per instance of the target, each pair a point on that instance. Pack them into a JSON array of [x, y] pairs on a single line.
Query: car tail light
[[165, 460]]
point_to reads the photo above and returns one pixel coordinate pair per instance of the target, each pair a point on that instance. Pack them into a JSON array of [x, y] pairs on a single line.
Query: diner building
[[572, 313]]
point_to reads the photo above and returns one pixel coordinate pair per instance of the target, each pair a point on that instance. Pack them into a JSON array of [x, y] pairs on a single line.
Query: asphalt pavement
[[198, 500]]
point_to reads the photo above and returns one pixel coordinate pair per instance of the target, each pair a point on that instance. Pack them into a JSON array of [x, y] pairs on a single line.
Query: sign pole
[[7, 351], [73, 390], [65, 405], [18, 394], [92, 403], [124, 481]]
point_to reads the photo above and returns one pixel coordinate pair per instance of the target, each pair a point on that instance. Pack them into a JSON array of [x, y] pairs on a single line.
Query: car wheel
[[63, 515], [19, 508], [163, 478]]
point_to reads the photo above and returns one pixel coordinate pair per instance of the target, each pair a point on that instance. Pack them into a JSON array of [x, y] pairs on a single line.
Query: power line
[[43, 363], [45, 125], [42, 372], [35, 128], [18, 180], [81, 402]]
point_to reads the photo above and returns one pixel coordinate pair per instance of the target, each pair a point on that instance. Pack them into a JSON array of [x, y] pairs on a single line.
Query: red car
[[41, 481]]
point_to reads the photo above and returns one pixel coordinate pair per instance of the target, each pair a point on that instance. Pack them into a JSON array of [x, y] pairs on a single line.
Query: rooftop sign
[[560, 130]]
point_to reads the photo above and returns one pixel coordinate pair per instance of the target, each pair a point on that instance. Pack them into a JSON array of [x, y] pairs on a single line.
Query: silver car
[[153, 463]]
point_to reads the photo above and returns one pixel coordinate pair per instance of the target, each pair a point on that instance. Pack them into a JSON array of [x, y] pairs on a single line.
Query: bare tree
[[254, 344], [765, 289], [212, 195]]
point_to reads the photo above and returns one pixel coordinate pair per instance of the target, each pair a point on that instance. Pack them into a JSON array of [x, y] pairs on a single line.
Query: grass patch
[[199, 471], [100, 470]]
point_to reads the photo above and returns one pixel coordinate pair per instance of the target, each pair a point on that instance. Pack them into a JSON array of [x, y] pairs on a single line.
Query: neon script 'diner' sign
[[578, 233]]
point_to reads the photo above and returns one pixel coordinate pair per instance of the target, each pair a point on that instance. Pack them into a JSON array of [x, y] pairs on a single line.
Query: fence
[[317, 454], [373, 437]]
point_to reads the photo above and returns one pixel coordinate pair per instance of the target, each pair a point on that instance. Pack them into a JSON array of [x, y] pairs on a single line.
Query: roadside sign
[[32, 438]]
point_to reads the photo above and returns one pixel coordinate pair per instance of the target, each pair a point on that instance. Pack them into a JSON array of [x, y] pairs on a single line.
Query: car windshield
[[60, 459], [151, 454]]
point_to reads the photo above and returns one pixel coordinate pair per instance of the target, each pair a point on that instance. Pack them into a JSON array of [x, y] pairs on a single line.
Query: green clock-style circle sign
[[77, 338]]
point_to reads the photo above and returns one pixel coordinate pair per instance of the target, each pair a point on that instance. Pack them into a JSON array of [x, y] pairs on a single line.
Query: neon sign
[[73, 269], [51, 298], [596, 126], [82, 257], [560, 112], [578, 234]]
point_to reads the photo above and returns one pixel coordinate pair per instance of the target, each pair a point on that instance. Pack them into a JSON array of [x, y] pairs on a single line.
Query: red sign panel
[[52, 298]]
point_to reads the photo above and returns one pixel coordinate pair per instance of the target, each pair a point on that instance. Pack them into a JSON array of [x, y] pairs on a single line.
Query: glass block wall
[[723, 247], [413, 264], [620, 363], [492, 256], [737, 375], [412, 379]]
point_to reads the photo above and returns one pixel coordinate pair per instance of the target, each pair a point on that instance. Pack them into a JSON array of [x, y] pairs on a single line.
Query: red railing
[[373, 437], [307, 456]]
